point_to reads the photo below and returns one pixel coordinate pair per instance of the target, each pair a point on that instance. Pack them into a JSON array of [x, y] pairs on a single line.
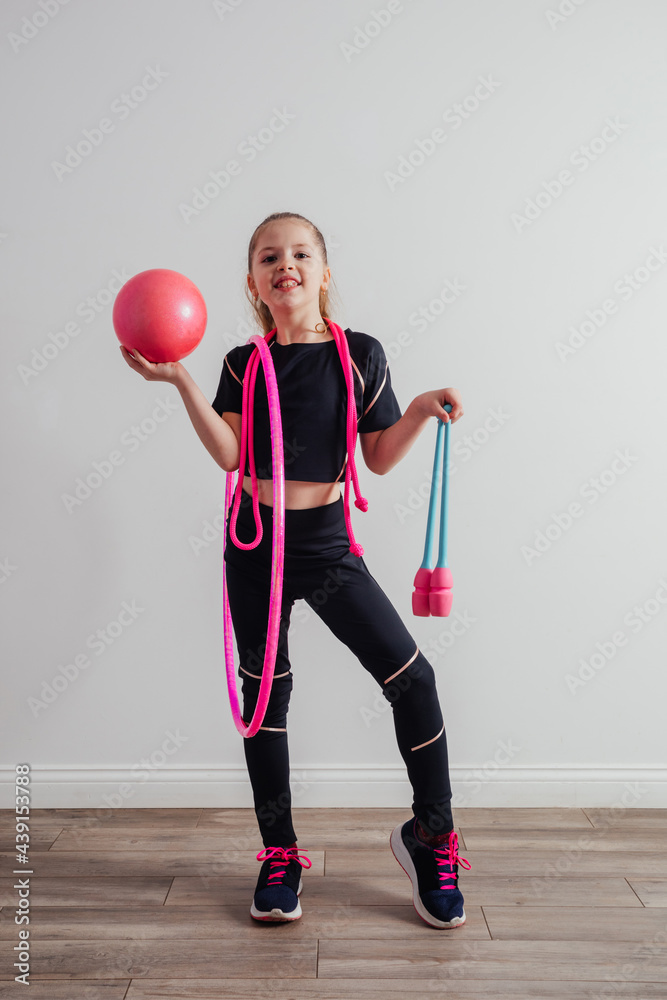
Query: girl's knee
[[416, 678], [276, 709]]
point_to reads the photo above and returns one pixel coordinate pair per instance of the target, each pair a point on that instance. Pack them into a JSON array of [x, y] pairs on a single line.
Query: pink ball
[[161, 313]]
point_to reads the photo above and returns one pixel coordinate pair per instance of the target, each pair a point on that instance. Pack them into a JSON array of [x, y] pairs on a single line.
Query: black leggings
[[320, 569]]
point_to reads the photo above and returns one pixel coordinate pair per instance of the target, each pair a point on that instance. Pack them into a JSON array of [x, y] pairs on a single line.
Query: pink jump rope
[[263, 354]]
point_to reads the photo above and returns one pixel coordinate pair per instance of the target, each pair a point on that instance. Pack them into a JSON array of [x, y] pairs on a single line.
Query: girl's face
[[286, 253]]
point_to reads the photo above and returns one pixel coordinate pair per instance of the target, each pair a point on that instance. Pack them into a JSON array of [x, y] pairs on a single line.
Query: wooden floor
[[150, 904]]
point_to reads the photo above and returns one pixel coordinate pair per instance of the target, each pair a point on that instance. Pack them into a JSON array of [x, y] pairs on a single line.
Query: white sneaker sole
[[402, 855], [276, 914]]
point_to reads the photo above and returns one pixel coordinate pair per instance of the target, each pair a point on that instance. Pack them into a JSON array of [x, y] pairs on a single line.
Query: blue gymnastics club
[[432, 593]]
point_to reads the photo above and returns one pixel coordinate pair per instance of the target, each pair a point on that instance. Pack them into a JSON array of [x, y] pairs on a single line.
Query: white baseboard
[[348, 785]]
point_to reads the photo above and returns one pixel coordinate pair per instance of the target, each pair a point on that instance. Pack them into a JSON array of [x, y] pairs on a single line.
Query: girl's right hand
[[165, 371]]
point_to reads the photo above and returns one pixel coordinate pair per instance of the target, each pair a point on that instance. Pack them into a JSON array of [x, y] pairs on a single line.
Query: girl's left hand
[[431, 404]]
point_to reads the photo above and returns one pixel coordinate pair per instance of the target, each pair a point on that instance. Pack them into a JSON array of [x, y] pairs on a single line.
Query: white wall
[[557, 84]]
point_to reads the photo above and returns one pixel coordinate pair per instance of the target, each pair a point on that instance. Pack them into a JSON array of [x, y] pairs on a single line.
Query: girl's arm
[[394, 442], [218, 437]]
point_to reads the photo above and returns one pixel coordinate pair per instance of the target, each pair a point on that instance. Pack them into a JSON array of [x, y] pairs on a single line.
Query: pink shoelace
[[449, 857], [282, 856]]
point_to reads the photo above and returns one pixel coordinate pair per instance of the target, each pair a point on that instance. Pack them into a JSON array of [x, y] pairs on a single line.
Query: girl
[[288, 279]]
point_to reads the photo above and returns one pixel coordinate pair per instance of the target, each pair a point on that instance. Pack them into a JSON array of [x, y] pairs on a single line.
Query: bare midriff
[[298, 495]]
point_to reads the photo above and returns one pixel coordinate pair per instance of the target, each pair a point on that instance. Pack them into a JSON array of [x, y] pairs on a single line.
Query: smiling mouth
[[286, 285]]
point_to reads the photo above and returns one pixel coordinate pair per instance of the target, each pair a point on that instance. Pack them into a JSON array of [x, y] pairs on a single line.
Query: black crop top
[[313, 403]]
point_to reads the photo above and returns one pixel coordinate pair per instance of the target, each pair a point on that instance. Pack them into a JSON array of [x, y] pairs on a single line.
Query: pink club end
[[420, 595], [440, 595]]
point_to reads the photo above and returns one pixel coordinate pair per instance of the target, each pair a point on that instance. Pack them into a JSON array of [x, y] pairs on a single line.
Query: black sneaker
[[279, 884], [433, 872]]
